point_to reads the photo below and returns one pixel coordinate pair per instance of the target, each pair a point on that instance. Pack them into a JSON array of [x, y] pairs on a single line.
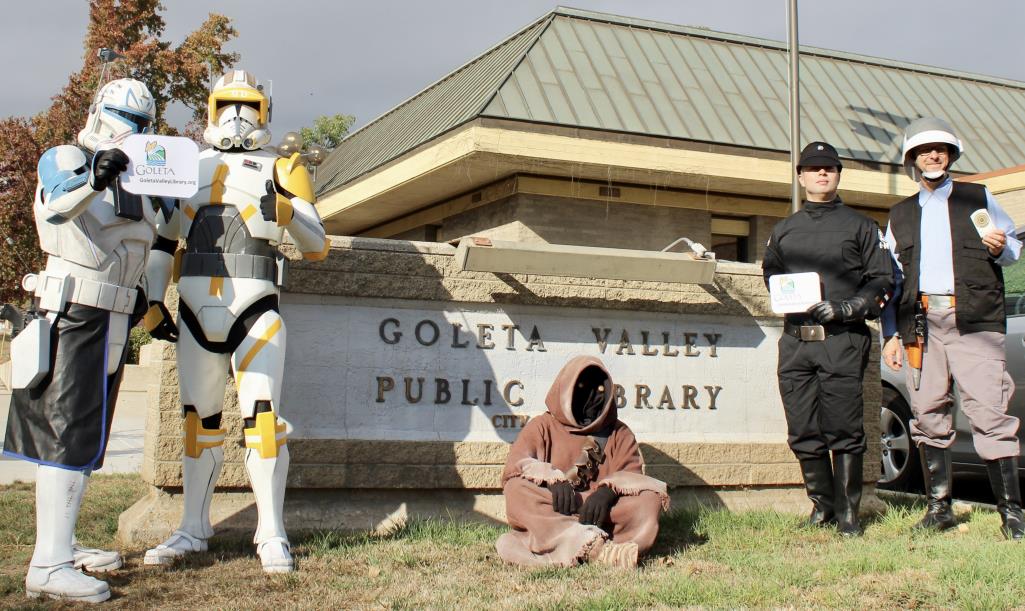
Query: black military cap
[[819, 154]]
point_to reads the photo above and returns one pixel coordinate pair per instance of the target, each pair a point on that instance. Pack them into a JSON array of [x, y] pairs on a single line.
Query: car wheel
[[900, 463]]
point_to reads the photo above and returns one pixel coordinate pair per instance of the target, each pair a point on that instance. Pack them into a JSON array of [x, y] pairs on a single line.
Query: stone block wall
[[396, 270]]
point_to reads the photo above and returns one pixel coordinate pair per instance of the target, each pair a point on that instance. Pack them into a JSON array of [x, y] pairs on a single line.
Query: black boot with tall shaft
[[818, 481], [936, 471], [847, 476], [1003, 477]]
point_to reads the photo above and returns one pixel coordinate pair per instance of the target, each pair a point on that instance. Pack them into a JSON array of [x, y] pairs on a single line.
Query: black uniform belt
[[836, 328], [229, 266]]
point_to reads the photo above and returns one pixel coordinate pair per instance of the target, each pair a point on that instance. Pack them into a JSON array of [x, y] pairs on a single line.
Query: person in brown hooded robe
[[573, 483]]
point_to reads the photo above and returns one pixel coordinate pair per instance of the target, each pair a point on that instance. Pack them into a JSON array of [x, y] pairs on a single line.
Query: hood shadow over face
[[590, 393], [581, 397]]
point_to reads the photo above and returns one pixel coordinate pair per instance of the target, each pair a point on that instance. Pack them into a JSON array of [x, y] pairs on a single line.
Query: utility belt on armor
[[941, 302], [810, 331], [30, 350], [214, 265], [56, 291]]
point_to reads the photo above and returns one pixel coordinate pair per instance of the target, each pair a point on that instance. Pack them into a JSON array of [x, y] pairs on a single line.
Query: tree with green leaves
[[179, 73], [327, 131]]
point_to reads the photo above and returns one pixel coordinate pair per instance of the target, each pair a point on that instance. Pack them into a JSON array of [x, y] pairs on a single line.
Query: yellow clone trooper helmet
[[238, 114], [121, 108]]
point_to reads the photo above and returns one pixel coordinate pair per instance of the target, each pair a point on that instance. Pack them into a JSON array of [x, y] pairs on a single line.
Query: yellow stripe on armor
[[176, 267], [248, 211], [251, 353], [194, 429], [283, 207], [217, 184], [266, 435], [319, 256], [216, 286], [189, 212]]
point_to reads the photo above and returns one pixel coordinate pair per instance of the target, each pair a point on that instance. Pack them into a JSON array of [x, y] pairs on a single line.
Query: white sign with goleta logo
[[162, 166], [792, 293]]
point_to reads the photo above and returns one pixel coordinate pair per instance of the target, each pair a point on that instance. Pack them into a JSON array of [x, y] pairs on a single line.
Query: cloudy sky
[[363, 57]]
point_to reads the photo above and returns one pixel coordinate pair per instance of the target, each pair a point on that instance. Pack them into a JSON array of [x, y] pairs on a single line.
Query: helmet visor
[[138, 122]]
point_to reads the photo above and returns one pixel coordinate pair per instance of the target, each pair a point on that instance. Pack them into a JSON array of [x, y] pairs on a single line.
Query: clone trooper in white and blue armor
[[68, 362], [228, 276]]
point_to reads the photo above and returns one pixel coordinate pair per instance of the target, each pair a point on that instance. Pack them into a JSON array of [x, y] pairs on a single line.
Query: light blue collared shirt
[[936, 272]]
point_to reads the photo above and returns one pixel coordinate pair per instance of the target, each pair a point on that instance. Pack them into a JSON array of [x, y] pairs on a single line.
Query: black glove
[[565, 499], [848, 310], [269, 203], [106, 166], [159, 324], [597, 507]]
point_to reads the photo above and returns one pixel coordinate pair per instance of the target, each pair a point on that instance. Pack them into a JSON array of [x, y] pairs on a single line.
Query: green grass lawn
[[703, 558]]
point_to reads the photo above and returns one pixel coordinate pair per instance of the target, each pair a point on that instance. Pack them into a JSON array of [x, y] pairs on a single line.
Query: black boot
[[847, 471], [818, 481], [1003, 476], [936, 471]]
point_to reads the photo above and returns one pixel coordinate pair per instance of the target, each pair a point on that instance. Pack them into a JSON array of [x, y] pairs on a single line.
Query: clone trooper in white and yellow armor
[[228, 277]]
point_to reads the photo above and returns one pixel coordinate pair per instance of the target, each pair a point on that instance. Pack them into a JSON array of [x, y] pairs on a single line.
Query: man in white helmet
[[228, 282], [953, 282], [68, 362]]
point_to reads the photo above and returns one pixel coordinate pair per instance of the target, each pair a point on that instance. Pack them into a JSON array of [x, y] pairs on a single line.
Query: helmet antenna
[[107, 57]]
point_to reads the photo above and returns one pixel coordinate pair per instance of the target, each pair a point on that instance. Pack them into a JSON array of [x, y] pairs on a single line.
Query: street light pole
[[795, 105]]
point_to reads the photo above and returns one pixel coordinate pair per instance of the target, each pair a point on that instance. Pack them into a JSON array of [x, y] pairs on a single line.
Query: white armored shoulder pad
[[62, 169]]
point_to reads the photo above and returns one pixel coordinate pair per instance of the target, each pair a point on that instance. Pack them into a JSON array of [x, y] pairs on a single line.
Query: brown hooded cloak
[[553, 448]]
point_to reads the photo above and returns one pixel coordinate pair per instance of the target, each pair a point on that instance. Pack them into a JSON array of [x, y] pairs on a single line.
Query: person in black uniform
[[823, 352]]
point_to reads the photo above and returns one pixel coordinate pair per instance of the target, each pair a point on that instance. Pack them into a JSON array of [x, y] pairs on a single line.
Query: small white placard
[[983, 222], [791, 293], [164, 166]]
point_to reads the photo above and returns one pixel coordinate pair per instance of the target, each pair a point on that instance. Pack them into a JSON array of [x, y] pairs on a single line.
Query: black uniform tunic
[[820, 382]]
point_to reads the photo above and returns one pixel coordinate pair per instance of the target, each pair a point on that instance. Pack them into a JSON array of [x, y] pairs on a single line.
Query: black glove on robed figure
[[598, 506], [565, 499]]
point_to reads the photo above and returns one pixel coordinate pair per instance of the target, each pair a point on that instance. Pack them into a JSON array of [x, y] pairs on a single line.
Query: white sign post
[[162, 166]]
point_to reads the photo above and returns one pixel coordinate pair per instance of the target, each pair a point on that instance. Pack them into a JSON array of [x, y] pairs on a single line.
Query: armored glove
[[848, 310], [159, 324], [598, 506], [564, 498], [107, 164], [269, 203]]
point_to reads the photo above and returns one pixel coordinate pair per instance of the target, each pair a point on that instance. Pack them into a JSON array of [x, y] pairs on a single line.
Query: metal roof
[[593, 70]]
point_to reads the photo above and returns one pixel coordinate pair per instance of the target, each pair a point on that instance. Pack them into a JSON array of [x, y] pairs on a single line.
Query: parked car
[[901, 469]]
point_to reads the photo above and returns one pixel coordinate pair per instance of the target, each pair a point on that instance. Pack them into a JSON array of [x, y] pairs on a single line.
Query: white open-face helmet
[[238, 113], [928, 130], [121, 108]]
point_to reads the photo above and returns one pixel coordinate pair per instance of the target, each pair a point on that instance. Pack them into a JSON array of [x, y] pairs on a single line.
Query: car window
[[1014, 286]]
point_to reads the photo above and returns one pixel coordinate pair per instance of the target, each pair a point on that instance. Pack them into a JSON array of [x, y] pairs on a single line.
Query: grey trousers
[[977, 363]]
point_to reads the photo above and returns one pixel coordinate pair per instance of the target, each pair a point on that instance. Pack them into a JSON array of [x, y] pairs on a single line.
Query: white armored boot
[[268, 476], [201, 465], [92, 559], [51, 572]]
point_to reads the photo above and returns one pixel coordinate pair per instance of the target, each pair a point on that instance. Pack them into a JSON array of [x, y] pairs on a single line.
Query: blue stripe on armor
[[9, 454], [106, 378], [52, 176]]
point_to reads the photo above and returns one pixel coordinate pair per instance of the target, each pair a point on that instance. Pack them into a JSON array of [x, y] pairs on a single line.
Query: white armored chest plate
[[98, 244], [234, 179]]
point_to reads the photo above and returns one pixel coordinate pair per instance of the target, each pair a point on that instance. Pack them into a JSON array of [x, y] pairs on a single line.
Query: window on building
[[730, 239]]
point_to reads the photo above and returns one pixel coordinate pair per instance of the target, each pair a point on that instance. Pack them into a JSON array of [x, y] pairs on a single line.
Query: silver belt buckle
[[812, 333]]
